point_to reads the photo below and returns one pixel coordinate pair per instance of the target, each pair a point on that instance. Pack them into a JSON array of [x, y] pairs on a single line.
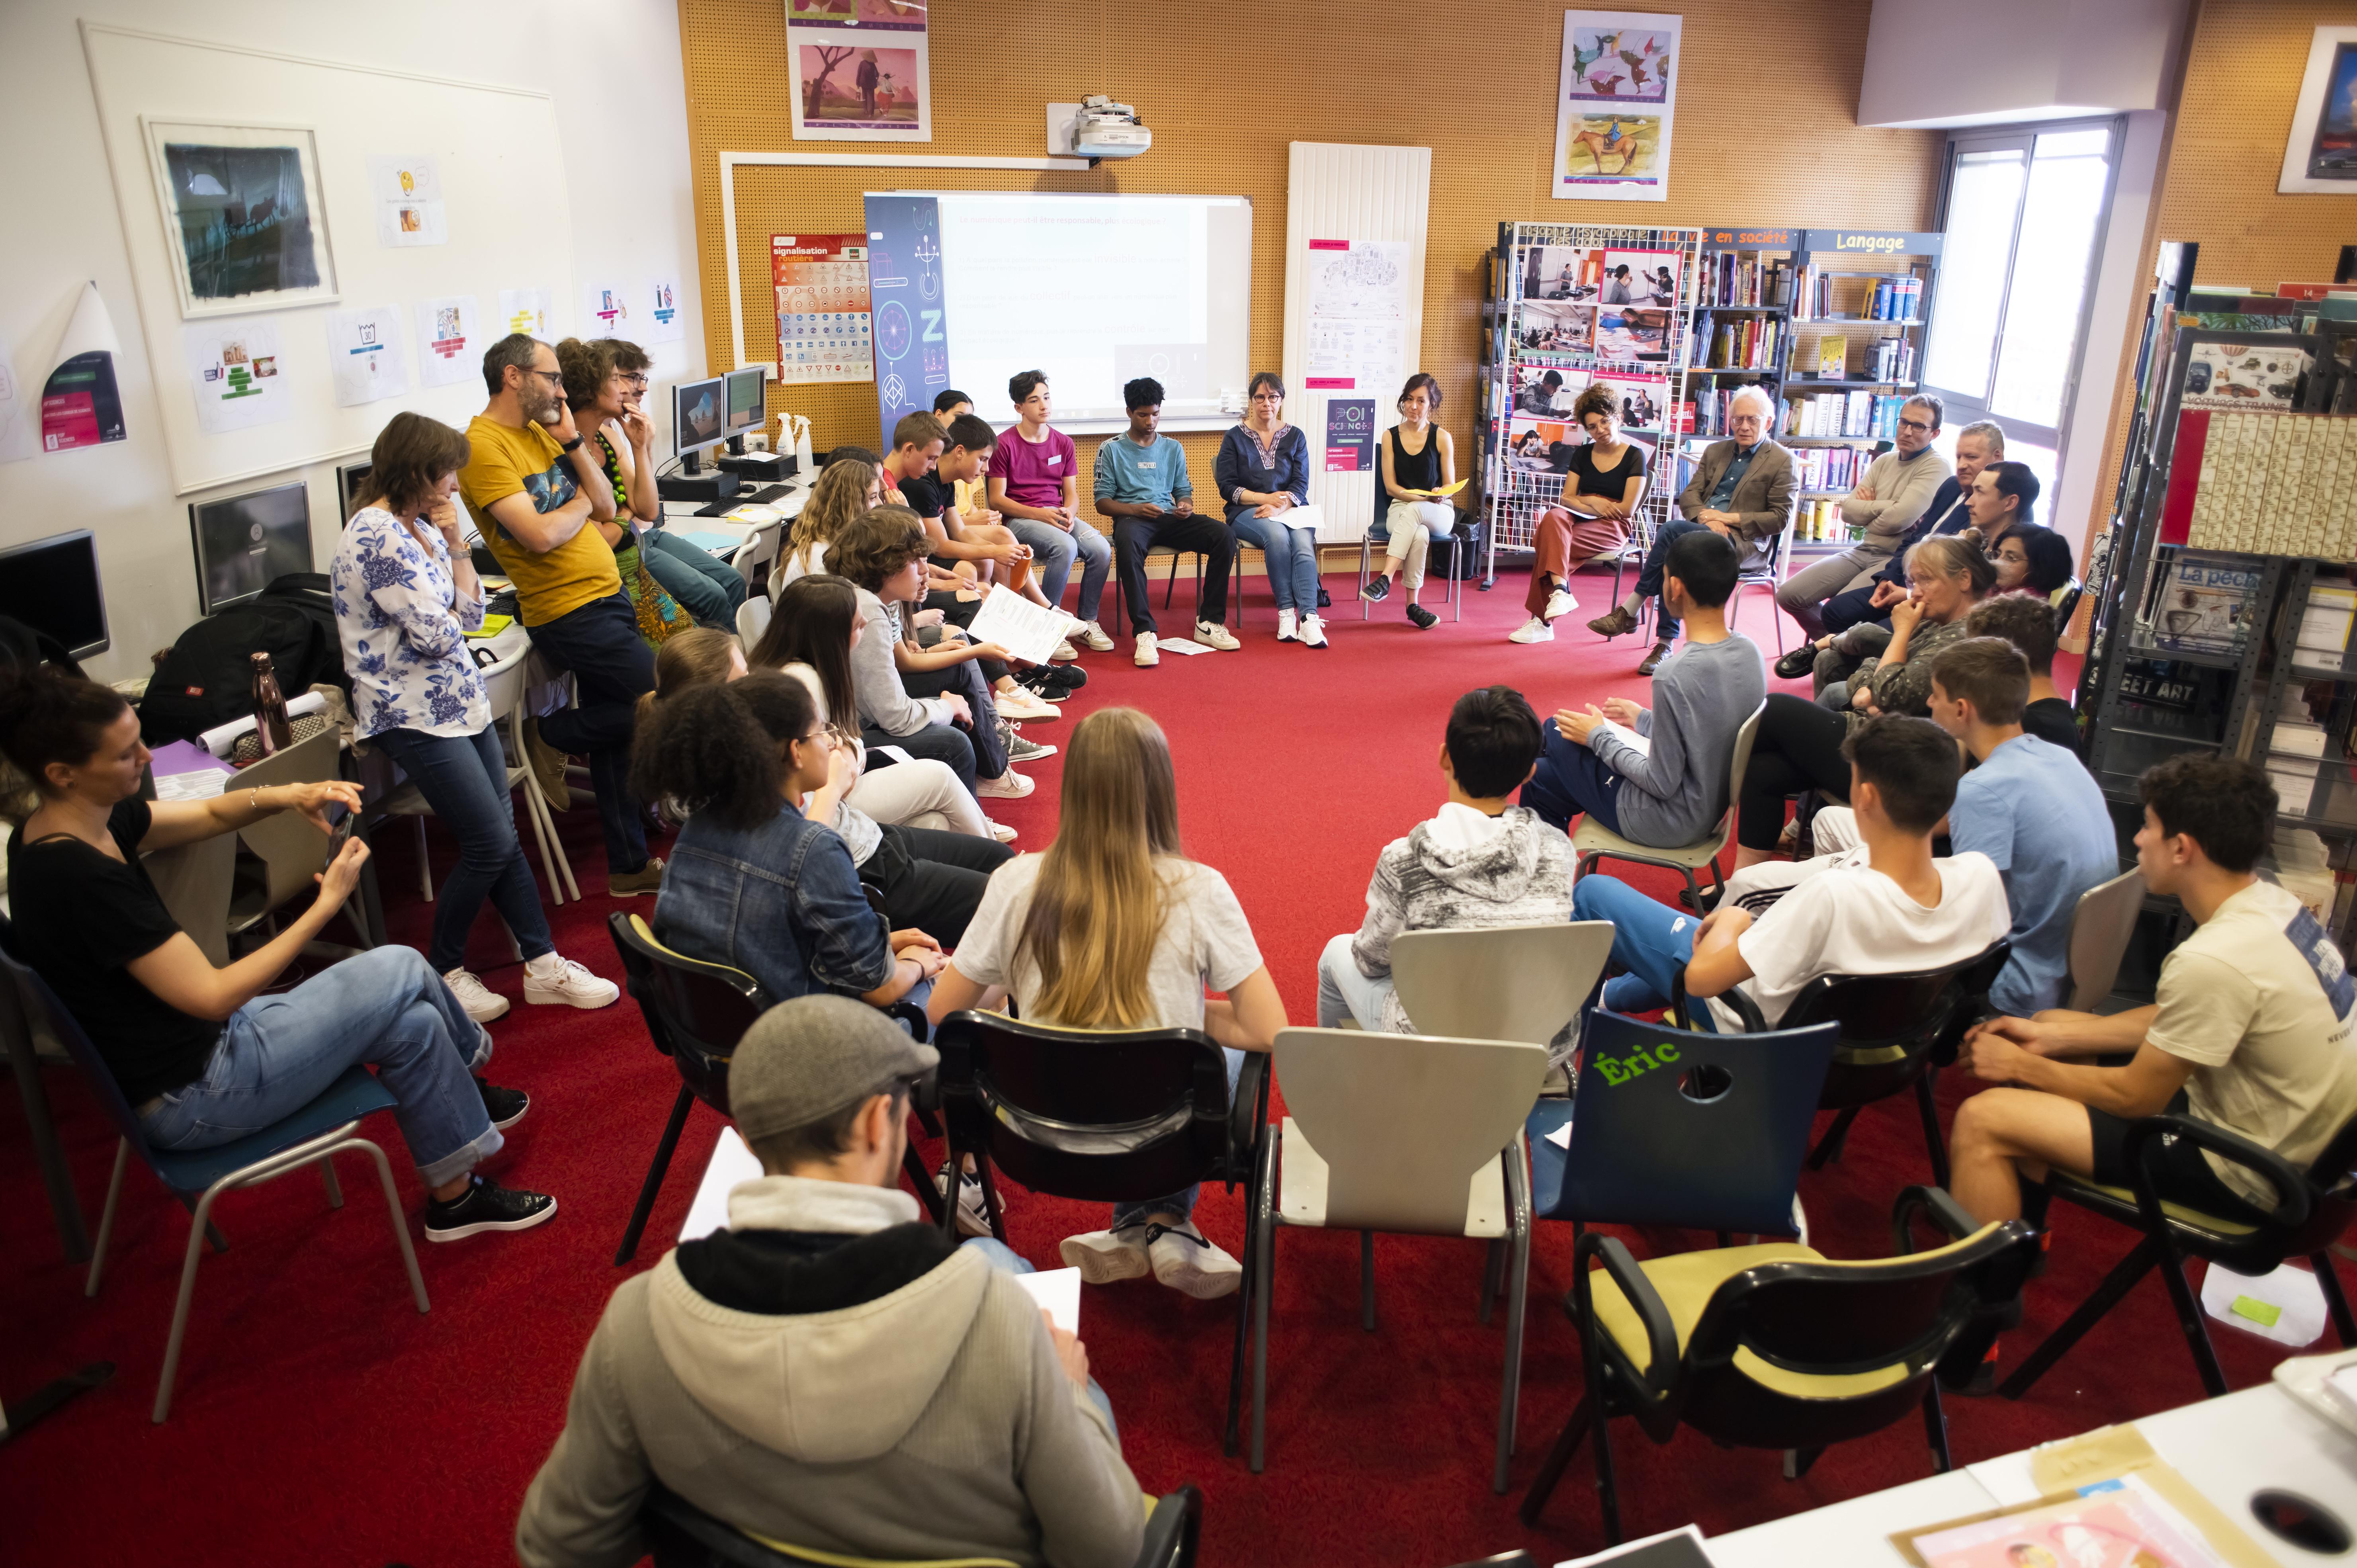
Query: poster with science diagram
[[1357, 314], [1615, 105], [824, 326]]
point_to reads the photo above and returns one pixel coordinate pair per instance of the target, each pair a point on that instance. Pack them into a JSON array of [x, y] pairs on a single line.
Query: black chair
[[695, 1012], [1472, 536], [2312, 1207], [1170, 588], [1897, 1030], [1774, 1347], [680, 1535], [1109, 1115]]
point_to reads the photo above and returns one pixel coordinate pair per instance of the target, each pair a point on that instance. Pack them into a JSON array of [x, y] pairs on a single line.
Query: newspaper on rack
[[1027, 630]]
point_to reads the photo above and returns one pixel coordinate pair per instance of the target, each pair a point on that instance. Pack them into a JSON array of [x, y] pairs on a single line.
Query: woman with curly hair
[[1599, 496]]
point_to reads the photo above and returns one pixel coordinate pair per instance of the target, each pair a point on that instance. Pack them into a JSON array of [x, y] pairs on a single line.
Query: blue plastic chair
[[312, 1137]]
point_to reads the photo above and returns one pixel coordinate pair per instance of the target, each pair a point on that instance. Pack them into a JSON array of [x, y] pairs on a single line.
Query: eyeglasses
[[632, 378], [1916, 425], [554, 378]]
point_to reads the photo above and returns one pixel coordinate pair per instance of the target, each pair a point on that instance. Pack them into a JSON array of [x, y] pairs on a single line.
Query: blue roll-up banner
[[904, 288]]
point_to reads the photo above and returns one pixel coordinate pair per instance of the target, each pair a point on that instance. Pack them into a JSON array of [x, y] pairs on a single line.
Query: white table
[[2228, 1448]]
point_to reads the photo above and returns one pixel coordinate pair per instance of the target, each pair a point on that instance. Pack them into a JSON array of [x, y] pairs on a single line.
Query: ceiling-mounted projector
[[1104, 129]]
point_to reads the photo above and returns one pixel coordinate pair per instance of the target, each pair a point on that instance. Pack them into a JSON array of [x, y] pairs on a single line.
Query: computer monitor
[[352, 487], [699, 418], [52, 584], [747, 408], [244, 542]]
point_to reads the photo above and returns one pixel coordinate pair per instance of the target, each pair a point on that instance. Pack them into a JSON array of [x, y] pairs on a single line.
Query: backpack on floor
[[207, 678]]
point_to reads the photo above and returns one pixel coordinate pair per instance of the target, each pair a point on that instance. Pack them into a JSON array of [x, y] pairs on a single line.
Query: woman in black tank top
[[1411, 520]]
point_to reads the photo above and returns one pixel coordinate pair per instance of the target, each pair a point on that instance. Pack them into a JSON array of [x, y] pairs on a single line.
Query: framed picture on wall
[[2321, 155], [242, 219]]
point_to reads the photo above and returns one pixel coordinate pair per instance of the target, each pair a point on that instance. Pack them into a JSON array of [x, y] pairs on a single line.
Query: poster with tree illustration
[[860, 86]]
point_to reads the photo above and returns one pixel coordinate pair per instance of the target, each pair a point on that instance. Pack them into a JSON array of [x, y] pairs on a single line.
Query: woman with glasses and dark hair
[[1262, 473]]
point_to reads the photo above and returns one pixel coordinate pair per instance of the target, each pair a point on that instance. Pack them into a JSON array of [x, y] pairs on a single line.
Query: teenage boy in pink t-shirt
[[1035, 486]]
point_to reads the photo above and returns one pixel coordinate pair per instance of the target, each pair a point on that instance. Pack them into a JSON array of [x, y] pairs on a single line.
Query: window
[[2025, 214]]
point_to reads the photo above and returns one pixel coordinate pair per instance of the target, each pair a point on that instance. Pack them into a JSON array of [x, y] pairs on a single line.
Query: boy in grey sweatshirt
[[1659, 776], [1479, 862]]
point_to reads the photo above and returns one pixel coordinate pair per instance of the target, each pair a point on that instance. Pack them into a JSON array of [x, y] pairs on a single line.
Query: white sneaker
[[1105, 1257], [1021, 703], [1217, 636], [999, 830], [973, 1212], [569, 982], [1093, 635], [1532, 630], [1313, 632], [1560, 603], [1149, 654], [482, 1003], [1008, 786], [1065, 653], [1189, 1265], [1284, 632]]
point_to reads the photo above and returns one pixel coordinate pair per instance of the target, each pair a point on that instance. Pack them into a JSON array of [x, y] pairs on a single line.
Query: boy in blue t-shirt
[[1142, 484]]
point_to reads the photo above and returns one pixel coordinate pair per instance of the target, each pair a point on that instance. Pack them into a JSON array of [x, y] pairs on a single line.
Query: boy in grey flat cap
[[830, 1371]]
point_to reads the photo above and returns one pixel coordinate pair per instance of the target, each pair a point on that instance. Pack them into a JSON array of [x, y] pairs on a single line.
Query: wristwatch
[[571, 445]]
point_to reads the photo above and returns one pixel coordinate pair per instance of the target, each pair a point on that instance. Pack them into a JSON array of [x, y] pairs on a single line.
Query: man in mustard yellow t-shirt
[[533, 489]]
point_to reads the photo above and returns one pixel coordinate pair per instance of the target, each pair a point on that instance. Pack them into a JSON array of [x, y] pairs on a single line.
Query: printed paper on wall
[[1357, 314], [364, 355], [523, 310], [1615, 105], [451, 343], [234, 371], [860, 86], [659, 299], [80, 406]]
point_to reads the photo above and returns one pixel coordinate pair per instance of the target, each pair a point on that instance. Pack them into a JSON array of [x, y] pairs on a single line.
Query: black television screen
[[52, 584], [244, 542], [352, 487], [699, 413]]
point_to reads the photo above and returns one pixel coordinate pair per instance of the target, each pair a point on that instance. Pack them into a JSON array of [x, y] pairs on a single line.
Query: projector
[[1103, 129]]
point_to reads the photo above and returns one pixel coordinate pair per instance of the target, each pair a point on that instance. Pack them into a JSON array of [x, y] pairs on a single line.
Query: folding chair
[[684, 1536], [1593, 841]]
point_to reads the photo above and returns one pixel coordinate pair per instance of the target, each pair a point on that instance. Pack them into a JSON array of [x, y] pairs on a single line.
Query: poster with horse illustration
[[1615, 105]]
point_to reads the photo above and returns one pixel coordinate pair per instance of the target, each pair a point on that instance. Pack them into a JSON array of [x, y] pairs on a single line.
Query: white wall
[[612, 66], [1934, 62]]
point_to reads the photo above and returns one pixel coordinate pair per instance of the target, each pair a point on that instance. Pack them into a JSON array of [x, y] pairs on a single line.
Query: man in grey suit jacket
[[1742, 489]]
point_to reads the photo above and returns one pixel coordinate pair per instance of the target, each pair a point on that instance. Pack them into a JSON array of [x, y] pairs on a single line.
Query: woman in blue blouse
[[406, 596], [1262, 473]]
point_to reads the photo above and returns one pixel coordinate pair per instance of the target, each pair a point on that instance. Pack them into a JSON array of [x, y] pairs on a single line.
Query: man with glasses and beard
[[533, 487], [1898, 486]]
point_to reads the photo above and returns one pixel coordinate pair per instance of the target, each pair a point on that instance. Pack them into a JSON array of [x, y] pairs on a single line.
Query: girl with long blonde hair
[[1114, 928], [846, 488]]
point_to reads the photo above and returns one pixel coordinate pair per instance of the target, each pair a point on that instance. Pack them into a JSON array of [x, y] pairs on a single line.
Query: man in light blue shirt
[[2030, 808], [1142, 484]]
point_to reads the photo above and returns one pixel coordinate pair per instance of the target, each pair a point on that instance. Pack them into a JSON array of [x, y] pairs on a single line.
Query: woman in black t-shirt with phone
[[1600, 493], [202, 1056]]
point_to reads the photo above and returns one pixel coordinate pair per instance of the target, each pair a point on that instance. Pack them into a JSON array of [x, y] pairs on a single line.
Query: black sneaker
[[486, 1205], [1423, 617], [505, 1107], [1798, 663], [1324, 599], [1377, 590], [1053, 682]]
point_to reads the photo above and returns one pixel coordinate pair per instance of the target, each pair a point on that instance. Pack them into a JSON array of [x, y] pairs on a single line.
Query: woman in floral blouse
[[406, 596]]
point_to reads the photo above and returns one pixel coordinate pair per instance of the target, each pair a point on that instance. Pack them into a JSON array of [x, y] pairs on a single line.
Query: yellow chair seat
[[1594, 838], [1685, 1283], [2177, 1211], [839, 1560]]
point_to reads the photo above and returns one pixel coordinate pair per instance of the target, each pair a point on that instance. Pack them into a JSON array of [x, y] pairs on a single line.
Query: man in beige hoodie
[[829, 1372]]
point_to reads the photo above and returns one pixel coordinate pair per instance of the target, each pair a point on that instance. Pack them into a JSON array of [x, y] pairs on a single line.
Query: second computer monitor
[[747, 409], [244, 542], [699, 414]]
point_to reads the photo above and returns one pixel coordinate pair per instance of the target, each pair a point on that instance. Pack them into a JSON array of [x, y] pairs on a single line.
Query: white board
[[507, 224]]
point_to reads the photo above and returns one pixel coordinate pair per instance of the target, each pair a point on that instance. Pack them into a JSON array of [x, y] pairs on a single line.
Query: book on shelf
[[1736, 279], [1860, 414], [1896, 299], [2325, 623], [2265, 484], [1833, 358], [2202, 604]]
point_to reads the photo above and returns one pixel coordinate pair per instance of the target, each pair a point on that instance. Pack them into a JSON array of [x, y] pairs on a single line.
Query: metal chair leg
[[400, 1221], [1926, 1102], [180, 1307], [425, 867], [1519, 1285], [1935, 1427], [990, 1203], [2108, 1295], [1367, 1280], [936, 1204], [335, 1188], [1266, 1208], [2190, 1318], [1829, 1147], [2335, 1300], [107, 1217], [1247, 1288], [1558, 1459], [656, 1170]]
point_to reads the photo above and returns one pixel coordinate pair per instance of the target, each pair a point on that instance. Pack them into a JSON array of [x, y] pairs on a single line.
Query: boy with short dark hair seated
[[1479, 862], [2027, 621], [1662, 780], [830, 1371], [2250, 1030], [1902, 910]]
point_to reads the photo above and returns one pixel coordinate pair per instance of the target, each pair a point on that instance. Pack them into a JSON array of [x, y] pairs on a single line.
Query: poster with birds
[[1615, 105]]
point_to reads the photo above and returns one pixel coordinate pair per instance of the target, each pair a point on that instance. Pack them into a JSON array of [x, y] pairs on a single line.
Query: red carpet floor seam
[[321, 1419]]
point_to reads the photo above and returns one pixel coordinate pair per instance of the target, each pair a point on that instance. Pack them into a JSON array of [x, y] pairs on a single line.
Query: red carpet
[[320, 1420]]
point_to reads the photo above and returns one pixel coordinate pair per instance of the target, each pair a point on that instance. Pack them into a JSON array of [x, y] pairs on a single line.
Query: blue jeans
[[1572, 780], [1649, 580], [1053, 551], [1292, 559], [706, 587], [1182, 1204], [1650, 939], [464, 780], [1344, 993], [1006, 1259], [384, 1007], [612, 667]]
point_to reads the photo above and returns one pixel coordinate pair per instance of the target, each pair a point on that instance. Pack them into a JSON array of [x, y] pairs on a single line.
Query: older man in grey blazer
[[1742, 489]]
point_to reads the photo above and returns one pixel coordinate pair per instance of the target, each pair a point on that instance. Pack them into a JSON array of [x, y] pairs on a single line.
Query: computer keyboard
[[763, 496]]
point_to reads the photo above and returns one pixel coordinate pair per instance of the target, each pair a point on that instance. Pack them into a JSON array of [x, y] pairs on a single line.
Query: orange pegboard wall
[[1766, 133]]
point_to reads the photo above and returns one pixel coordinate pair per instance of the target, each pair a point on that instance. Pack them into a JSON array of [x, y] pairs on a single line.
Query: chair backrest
[[290, 849], [695, 1012], [1892, 1025], [1108, 1114], [2065, 600], [753, 619], [1746, 735], [1829, 1318], [30, 1001], [758, 555], [1404, 1122], [1500, 983], [503, 682], [1700, 1131], [2101, 928]]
